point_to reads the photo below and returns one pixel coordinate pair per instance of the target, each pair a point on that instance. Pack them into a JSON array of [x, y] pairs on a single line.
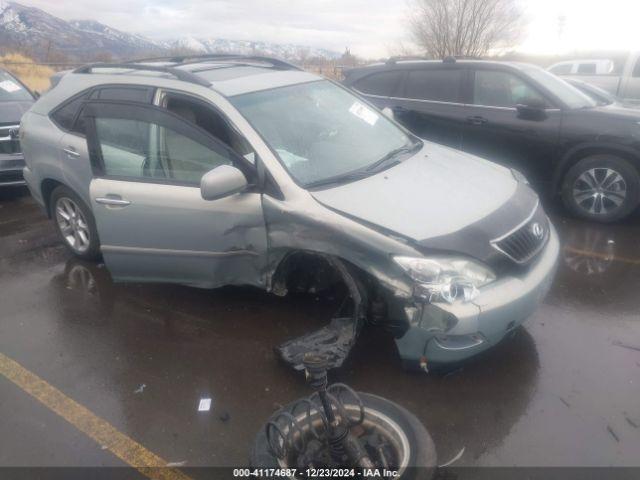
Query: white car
[[601, 73]]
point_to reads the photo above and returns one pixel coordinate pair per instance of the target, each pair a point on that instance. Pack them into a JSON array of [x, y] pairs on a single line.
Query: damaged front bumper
[[449, 333]]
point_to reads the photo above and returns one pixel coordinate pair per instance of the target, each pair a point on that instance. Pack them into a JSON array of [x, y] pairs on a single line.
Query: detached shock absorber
[[344, 449]]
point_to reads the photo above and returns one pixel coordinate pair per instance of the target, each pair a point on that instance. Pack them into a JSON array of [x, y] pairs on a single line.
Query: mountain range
[[46, 37]]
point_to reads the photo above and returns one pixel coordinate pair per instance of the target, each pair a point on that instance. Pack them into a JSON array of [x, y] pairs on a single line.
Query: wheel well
[[308, 271], [46, 188], [578, 155]]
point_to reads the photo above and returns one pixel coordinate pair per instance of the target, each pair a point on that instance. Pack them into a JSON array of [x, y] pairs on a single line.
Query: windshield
[[11, 90], [570, 95], [322, 133]]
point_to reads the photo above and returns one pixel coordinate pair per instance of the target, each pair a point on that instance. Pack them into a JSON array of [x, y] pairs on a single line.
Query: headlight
[[519, 176], [446, 278]]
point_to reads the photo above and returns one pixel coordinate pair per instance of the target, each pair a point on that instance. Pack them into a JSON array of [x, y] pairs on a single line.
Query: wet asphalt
[[561, 392]]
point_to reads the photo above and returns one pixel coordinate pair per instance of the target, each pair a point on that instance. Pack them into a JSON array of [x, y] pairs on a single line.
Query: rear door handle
[[71, 152], [399, 110], [119, 202], [477, 120]]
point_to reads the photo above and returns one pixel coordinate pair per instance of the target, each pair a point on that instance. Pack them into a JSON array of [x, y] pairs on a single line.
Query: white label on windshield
[[362, 112], [9, 86]]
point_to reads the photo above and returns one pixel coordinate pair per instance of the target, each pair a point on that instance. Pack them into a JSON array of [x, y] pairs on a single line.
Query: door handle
[[477, 120], [119, 202], [399, 110], [71, 152]]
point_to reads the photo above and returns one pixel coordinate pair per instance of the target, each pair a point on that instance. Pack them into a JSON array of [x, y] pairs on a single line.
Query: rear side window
[[65, 115], [383, 83], [564, 69], [437, 85], [587, 68]]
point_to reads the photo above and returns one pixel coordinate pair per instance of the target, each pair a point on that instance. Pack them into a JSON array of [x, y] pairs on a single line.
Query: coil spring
[[288, 431]]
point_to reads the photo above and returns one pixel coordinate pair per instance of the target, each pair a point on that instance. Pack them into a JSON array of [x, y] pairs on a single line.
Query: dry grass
[[36, 77]]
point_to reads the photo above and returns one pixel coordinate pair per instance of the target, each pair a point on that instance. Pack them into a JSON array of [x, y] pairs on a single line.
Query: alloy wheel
[[600, 191], [73, 225]]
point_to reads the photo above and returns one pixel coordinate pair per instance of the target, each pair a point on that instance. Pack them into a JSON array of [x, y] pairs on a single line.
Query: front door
[[495, 130], [152, 221]]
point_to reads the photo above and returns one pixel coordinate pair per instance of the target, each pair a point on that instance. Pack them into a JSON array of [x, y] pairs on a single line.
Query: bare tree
[[469, 28]]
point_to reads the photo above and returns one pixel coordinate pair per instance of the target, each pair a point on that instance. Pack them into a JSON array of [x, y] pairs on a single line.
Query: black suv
[[522, 116], [15, 99]]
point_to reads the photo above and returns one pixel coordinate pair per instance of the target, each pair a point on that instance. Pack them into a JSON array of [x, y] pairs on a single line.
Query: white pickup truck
[[625, 86]]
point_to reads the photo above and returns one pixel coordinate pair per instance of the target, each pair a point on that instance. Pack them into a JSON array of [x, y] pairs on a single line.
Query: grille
[[10, 177], [9, 143], [525, 242]]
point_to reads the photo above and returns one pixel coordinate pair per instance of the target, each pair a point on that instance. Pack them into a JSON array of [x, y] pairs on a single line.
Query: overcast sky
[[371, 28]]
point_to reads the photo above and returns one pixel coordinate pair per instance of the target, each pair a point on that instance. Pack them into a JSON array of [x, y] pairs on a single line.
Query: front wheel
[[604, 188], [75, 224]]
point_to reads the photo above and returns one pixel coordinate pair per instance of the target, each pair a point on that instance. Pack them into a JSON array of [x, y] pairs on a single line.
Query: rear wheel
[[602, 187], [75, 224]]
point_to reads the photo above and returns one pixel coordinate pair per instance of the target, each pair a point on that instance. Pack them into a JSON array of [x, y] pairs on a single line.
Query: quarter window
[[502, 89], [144, 150], [383, 83], [438, 85], [65, 115]]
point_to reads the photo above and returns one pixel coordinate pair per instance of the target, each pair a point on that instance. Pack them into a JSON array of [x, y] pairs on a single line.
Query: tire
[[614, 179], [422, 461], [69, 212]]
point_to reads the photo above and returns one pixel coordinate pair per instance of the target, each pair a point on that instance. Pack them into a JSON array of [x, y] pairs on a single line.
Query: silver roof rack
[[183, 75]]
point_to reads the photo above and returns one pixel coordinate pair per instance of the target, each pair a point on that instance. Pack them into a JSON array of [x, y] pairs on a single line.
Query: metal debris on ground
[[140, 389], [618, 343], [613, 434], [204, 405], [454, 459]]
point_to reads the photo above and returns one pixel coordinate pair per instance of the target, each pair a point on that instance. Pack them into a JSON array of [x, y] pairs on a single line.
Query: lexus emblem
[[537, 230], [14, 133]]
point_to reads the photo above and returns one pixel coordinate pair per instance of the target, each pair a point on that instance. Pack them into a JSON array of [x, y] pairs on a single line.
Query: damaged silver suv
[[228, 170]]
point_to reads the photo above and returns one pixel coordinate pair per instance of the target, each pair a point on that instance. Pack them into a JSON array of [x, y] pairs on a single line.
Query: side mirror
[[221, 182], [387, 112], [532, 109]]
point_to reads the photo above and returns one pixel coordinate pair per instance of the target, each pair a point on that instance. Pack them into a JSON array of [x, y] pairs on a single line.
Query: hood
[[616, 110], [11, 112], [440, 198]]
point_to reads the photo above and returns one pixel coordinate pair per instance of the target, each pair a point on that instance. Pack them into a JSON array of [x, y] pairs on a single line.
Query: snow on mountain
[[41, 34]]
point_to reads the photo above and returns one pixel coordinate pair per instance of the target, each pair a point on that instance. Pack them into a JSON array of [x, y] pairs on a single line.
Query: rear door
[[430, 103], [153, 223], [496, 131]]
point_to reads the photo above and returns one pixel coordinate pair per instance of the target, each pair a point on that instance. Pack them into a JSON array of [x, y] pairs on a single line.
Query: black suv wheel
[[601, 187]]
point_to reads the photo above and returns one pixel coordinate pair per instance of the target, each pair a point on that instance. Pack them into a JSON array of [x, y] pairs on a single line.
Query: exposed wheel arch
[[579, 152], [47, 187]]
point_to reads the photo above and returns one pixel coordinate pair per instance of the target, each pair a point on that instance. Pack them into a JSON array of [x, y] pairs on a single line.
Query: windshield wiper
[[369, 170], [390, 158], [338, 179]]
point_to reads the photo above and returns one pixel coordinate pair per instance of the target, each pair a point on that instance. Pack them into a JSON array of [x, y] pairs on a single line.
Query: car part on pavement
[[337, 427], [336, 339]]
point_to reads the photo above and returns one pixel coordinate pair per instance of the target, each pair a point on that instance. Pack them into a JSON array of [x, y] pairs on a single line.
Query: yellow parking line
[[125, 448], [587, 253]]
